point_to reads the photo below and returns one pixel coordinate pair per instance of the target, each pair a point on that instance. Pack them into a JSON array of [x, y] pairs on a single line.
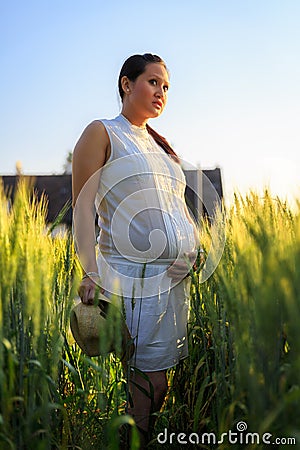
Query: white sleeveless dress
[[143, 230]]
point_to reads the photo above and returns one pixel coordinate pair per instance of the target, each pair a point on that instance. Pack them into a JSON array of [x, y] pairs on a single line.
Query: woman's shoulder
[[96, 133], [95, 128], [93, 141], [104, 126]]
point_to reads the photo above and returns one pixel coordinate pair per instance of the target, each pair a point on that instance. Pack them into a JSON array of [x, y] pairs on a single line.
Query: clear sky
[[234, 100]]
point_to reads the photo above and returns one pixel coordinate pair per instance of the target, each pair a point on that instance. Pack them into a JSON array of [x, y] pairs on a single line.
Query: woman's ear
[[125, 83]]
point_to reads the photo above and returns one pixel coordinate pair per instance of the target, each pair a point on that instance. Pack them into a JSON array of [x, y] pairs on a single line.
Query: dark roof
[[204, 192], [58, 190]]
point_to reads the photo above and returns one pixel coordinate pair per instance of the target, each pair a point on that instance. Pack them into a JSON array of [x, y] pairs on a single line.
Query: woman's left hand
[[181, 267]]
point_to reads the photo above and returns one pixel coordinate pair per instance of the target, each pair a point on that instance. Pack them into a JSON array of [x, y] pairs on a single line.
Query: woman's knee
[[160, 386], [163, 385]]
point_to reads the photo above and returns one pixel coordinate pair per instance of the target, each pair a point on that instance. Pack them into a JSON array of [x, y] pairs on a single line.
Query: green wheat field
[[244, 339]]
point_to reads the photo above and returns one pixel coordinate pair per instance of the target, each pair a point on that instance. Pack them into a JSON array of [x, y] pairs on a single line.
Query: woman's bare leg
[[143, 406]]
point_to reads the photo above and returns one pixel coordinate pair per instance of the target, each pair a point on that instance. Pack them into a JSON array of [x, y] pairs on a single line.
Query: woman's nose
[[160, 92]]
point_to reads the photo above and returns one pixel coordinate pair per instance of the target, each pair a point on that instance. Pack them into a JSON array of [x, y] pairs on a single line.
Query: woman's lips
[[157, 105]]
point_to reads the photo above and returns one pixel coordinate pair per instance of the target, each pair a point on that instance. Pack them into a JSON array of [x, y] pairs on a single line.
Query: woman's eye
[[155, 83]]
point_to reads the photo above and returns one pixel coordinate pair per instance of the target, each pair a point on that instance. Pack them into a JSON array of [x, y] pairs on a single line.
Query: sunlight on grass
[[244, 344]]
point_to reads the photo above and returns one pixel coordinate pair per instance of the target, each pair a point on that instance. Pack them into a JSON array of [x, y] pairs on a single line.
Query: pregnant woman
[[130, 176]]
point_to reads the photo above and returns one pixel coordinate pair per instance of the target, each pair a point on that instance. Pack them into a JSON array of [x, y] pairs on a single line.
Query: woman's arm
[[90, 154]]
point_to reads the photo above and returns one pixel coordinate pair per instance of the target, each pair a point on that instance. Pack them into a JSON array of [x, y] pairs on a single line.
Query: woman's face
[[148, 93]]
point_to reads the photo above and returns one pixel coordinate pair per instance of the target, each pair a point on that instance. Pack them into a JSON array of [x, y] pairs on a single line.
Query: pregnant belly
[[148, 240], [158, 234]]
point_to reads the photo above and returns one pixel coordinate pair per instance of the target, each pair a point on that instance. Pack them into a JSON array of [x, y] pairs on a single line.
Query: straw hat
[[100, 329]]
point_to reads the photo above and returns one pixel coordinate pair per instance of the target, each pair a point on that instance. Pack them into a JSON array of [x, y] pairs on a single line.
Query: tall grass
[[262, 296], [244, 361], [27, 368], [51, 395]]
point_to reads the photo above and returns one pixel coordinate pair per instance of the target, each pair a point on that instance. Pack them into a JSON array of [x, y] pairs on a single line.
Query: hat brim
[[89, 324]]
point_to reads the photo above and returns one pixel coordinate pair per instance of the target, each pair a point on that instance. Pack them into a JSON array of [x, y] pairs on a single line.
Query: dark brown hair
[[133, 67]]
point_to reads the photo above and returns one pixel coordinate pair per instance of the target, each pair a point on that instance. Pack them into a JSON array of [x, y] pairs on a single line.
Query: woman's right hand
[[88, 289]]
